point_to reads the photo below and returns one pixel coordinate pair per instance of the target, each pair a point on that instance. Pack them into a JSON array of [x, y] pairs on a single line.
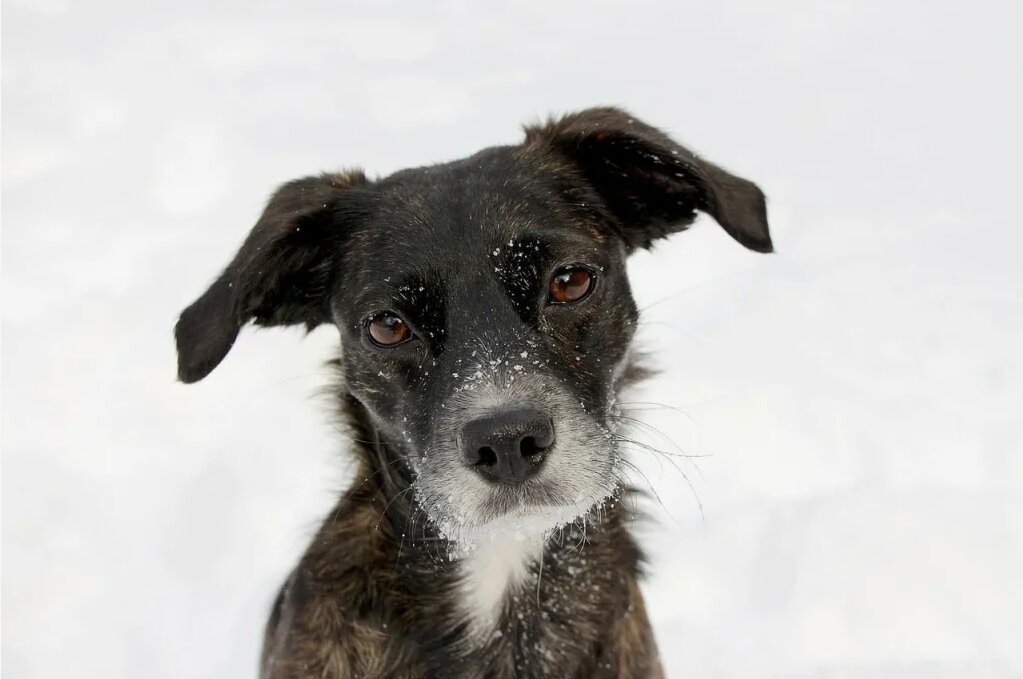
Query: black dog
[[485, 321]]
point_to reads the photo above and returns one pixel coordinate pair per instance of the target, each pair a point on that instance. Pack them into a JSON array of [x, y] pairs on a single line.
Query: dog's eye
[[387, 330], [570, 284]]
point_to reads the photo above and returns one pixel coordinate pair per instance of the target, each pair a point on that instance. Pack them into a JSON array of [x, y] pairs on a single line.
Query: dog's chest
[[490, 573]]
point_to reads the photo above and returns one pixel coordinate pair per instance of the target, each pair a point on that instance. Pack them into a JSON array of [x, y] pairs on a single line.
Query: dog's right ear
[[282, 275]]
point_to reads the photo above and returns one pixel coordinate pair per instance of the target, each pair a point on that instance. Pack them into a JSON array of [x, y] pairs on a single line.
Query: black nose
[[508, 446]]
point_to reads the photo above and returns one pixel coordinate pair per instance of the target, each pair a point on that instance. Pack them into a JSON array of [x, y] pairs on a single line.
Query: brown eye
[[570, 285], [387, 330]]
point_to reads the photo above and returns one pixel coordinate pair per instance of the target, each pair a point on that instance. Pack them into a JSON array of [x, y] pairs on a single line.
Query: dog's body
[[485, 322]]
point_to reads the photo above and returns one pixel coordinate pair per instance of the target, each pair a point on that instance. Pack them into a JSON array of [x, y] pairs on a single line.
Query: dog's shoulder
[[338, 613]]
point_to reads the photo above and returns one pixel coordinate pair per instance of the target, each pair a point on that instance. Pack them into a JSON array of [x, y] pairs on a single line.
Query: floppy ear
[[282, 275], [651, 185]]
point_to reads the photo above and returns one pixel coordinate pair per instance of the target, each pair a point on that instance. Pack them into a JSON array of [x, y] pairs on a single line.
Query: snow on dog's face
[[483, 305]]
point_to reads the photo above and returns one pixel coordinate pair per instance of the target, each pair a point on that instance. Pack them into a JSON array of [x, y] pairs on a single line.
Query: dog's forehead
[[461, 215]]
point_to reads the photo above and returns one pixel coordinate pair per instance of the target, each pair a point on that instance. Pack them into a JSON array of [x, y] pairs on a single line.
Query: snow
[[856, 396]]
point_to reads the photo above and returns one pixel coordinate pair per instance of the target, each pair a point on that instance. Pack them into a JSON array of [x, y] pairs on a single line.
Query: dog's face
[[483, 306], [484, 317]]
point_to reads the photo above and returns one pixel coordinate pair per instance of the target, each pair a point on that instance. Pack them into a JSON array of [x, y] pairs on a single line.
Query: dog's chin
[[503, 517]]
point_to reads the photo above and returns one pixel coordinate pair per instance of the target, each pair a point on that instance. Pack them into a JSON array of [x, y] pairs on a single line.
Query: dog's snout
[[507, 446]]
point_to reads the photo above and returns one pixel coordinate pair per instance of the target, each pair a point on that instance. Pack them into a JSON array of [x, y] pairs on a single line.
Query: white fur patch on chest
[[490, 571]]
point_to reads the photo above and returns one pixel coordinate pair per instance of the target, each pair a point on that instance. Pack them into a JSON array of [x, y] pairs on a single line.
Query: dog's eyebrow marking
[[521, 261], [517, 265], [421, 299]]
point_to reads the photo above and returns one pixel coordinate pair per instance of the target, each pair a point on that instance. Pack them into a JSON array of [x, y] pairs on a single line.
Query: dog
[[485, 322]]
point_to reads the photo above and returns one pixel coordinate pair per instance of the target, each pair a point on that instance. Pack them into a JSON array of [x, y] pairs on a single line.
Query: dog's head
[[483, 306]]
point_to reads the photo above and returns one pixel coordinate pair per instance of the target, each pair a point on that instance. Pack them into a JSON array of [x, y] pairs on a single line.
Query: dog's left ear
[[651, 185], [282, 274]]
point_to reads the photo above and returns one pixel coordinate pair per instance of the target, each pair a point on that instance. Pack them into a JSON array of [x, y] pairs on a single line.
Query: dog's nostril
[[486, 457], [529, 448]]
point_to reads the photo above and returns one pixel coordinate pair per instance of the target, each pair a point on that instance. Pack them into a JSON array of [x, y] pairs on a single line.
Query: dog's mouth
[[523, 514], [506, 519], [535, 508]]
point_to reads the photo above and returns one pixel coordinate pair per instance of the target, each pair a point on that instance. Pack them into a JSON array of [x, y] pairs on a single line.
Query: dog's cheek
[[614, 338], [609, 337], [588, 358], [441, 486], [378, 389]]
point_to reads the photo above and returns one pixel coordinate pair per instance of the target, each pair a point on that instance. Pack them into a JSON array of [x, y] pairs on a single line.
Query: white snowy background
[[857, 395]]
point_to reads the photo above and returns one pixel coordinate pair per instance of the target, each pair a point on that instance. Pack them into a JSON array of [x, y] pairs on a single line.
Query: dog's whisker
[[624, 408], [692, 288], [344, 434], [687, 456], [382, 470], [654, 405], [662, 455], [397, 496], [640, 446], [651, 428], [654, 492], [681, 453]]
